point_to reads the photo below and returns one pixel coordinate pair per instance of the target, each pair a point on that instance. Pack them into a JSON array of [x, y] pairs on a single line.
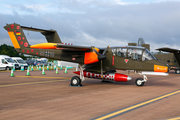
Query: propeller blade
[[96, 51], [104, 52], [100, 56]]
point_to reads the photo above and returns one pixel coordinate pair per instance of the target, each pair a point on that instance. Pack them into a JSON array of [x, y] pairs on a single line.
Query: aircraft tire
[[138, 82], [75, 81], [177, 71]]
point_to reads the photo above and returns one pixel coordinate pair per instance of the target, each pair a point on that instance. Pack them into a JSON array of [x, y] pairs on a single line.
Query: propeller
[[101, 57], [104, 52]]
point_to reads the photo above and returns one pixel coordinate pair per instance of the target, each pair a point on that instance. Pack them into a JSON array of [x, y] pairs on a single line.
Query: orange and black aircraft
[[98, 63]]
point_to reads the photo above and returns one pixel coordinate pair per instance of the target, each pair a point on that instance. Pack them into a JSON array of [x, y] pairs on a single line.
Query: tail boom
[[54, 49]]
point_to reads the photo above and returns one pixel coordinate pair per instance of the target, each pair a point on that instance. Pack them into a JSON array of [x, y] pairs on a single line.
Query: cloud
[[88, 40], [98, 23], [158, 1], [120, 2]]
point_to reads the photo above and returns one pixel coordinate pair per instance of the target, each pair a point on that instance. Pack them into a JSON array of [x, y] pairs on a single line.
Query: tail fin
[[17, 36]]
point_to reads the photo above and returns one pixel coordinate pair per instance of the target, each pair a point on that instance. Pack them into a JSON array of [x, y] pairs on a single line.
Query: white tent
[[68, 64]]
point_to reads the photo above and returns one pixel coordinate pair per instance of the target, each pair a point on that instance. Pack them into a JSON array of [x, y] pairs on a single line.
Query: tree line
[[10, 51]]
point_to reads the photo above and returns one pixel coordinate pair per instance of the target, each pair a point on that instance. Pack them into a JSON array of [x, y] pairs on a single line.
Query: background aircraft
[[100, 63], [172, 58]]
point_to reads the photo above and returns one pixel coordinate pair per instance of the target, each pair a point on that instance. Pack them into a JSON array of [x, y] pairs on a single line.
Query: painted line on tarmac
[[177, 118], [133, 107], [30, 83], [44, 77]]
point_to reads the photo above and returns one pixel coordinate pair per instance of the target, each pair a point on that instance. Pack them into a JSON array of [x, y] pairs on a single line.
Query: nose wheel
[[139, 82]]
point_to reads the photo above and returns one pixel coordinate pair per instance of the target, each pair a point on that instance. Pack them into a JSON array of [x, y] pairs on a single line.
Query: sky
[[96, 22]]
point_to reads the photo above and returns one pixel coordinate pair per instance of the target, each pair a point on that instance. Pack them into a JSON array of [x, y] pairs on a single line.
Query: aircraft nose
[[159, 68]]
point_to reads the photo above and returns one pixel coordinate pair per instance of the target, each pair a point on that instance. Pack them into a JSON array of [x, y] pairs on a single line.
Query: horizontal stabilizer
[[51, 35], [36, 29]]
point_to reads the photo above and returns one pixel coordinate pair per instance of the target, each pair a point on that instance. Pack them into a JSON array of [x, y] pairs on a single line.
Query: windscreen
[[21, 61], [10, 60], [134, 53], [147, 55]]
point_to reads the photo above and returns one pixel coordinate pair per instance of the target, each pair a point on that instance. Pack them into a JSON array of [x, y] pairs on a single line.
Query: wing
[[176, 52], [169, 50]]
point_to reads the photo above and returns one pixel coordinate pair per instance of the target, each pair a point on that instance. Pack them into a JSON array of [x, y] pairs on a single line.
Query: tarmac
[[49, 97]]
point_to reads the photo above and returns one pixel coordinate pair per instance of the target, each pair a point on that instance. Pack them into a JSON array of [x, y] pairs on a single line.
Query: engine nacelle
[[117, 77]]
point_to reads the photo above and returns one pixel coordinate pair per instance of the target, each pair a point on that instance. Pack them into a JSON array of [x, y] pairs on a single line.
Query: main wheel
[[75, 81], [177, 71], [139, 82]]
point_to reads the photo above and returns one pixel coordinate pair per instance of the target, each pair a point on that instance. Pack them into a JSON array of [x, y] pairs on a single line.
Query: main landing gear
[[75, 80]]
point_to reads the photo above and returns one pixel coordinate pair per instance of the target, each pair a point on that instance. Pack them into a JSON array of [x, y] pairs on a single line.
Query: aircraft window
[[134, 54], [114, 51], [147, 55], [121, 52]]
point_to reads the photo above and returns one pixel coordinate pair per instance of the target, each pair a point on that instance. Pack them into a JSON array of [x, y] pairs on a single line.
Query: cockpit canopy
[[141, 54]]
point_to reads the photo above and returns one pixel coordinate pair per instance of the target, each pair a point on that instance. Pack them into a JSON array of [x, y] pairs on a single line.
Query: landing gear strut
[[75, 80], [141, 81]]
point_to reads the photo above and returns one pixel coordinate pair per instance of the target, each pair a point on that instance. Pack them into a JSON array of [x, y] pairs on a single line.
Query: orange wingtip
[[44, 46], [158, 68]]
